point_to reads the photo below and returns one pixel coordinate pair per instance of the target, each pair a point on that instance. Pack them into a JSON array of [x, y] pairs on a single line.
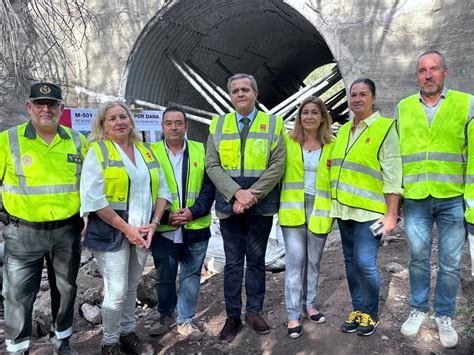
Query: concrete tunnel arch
[[267, 38]]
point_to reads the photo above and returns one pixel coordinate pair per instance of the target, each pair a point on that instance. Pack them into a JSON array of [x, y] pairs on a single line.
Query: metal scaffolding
[[219, 99]]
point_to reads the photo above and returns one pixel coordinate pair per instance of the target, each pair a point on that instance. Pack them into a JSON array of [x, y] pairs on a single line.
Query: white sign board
[[146, 121]]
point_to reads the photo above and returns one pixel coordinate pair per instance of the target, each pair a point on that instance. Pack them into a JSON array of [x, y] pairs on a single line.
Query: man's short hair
[[175, 109], [253, 82], [444, 63]]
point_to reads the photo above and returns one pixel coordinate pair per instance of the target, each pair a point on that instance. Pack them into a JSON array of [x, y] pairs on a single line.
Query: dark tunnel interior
[[265, 38]]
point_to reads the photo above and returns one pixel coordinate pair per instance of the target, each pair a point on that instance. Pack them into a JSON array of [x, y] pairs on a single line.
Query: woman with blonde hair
[[304, 210], [124, 193]]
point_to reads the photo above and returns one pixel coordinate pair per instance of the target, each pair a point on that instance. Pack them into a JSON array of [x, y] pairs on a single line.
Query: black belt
[[44, 225]]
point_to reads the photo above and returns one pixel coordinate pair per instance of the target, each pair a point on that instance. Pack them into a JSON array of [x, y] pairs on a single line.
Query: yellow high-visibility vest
[[291, 212], [41, 182], [434, 157], [469, 187], [261, 140], [194, 179], [116, 176], [356, 174]]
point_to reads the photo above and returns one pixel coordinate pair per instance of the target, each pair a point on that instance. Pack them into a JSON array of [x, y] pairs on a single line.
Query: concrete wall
[[98, 70], [380, 39]]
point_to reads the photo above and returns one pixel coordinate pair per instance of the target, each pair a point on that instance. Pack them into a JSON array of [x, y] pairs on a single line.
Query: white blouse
[[92, 187], [310, 163]]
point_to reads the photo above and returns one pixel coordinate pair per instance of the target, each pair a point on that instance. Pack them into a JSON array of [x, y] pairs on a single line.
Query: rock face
[[146, 292], [42, 314], [394, 267], [91, 313]]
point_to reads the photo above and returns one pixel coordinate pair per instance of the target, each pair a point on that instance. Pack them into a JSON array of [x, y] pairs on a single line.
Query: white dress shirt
[[176, 161], [139, 199]]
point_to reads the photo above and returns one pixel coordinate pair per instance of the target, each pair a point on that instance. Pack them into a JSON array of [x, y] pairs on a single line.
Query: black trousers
[[245, 237], [25, 251]]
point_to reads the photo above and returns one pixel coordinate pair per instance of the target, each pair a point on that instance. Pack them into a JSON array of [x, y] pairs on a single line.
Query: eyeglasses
[[52, 105]]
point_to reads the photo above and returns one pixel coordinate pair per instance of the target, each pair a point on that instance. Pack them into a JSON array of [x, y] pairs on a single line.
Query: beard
[[431, 90]]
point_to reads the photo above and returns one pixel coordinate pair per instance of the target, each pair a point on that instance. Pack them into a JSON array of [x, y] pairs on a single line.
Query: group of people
[[141, 197], [355, 179]]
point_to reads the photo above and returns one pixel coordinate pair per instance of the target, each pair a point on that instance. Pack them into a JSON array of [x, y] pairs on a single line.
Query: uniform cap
[[47, 91]]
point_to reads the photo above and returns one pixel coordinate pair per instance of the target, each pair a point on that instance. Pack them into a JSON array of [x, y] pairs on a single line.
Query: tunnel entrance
[[218, 38]]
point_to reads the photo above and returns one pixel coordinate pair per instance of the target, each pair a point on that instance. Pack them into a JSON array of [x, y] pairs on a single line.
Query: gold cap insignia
[[45, 89]]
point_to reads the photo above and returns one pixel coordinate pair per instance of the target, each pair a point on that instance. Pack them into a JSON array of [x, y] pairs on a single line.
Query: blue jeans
[[167, 255], [420, 215], [360, 250], [121, 271]]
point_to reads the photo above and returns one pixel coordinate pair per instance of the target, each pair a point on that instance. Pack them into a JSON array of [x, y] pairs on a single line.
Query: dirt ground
[[334, 302]]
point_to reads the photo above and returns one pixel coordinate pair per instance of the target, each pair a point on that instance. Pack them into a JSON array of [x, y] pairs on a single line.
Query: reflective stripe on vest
[[261, 140], [291, 211], [25, 193], [116, 176], [292, 186], [356, 177], [319, 221], [470, 204], [376, 174], [354, 190], [434, 156], [434, 178], [442, 157], [22, 188], [194, 180]]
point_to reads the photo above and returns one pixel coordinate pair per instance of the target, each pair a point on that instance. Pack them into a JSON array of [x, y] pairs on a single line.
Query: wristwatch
[[156, 221]]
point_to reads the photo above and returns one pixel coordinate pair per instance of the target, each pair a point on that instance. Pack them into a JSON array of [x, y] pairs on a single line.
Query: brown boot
[[258, 324], [131, 343], [230, 330]]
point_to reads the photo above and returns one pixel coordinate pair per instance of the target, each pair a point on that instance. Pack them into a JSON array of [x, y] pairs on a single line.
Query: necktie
[[244, 132]]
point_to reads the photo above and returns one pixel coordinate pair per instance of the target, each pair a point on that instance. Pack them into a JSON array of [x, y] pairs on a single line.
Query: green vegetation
[[319, 72], [468, 311]]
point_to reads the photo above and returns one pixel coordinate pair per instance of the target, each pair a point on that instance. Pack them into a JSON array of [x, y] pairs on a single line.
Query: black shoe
[[230, 330], [295, 332], [257, 323], [367, 325], [352, 322], [61, 346], [133, 344], [112, 349], [317, 318]]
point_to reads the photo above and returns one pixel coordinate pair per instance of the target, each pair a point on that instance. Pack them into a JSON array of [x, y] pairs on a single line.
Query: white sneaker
[[412, 325], [447, 334]]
